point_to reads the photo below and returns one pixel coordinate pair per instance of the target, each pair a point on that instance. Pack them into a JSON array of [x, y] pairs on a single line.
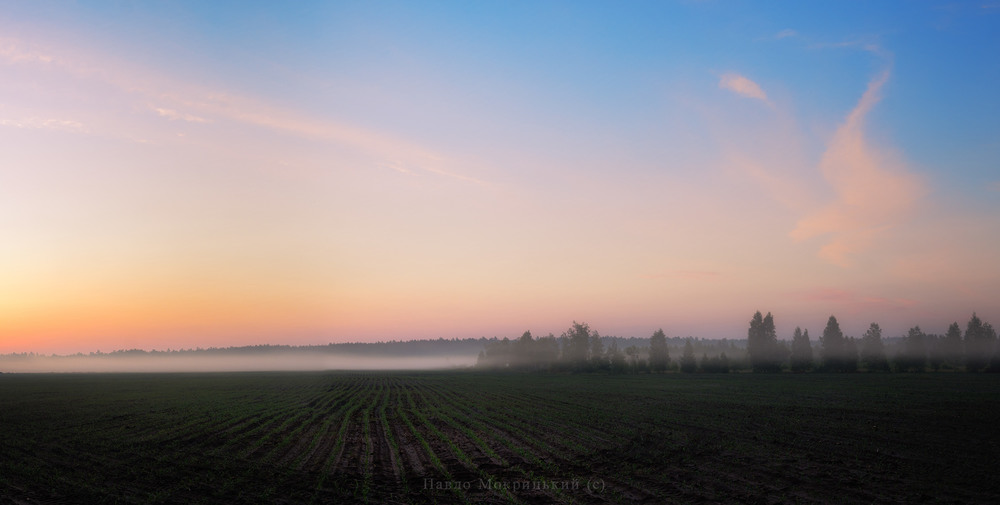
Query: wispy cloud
[[174, 115], [178, 100], [787, 32], [15, 51], [873, 189], [864, 44], [773, 177], [398, 167], [742, 86], [44, 124]]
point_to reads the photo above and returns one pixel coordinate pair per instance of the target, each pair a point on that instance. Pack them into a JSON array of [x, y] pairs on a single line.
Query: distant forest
[[581, 349], [392, 348]]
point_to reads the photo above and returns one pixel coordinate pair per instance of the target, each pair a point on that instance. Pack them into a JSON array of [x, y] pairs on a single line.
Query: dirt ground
[[491, 438]]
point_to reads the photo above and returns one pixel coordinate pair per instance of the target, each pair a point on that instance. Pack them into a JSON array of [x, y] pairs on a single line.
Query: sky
[[196, 174]]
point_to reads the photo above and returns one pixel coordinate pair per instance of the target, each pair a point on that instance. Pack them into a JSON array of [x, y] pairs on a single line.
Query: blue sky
[[247, 172]]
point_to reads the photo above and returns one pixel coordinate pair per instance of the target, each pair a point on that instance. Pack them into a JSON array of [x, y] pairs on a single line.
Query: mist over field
[[437, 354], [301, 361], [578, 349]]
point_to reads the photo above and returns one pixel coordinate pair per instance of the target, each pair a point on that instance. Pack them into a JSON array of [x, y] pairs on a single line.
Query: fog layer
[[229, 363]]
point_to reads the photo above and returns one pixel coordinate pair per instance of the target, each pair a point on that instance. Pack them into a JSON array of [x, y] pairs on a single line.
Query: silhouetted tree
[[524, 352], [497, 354], [832, 344], [994, 366], [616, 359], [715, 364], [641, 365], [636, 362], [598, 361], [873, 350], [576, 346], [991, 338], [836, 350], [766, 354], [979, 342], [913, 356], [631, 356], [802, 353], [548, 351], [951, 346], [659, 355], [688, 363]]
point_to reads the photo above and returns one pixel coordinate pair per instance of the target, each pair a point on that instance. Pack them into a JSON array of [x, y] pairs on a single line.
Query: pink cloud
[[179, 100], [853, 300], [174, 115], [13, 51], [44, 124], [873, 191], [742, 86], [775, 177]]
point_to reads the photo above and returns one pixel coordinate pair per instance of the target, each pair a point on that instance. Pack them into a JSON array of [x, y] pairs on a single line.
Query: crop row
[[492, 438]]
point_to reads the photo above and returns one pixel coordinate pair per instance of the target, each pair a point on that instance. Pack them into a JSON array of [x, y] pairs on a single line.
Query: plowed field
[[493, 438]]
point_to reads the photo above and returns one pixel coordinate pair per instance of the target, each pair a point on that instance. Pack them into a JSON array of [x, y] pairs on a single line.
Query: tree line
[[581, 349], [395, 348]]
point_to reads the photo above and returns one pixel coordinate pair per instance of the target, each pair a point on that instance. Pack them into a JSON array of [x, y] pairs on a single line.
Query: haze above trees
[[582, 349]]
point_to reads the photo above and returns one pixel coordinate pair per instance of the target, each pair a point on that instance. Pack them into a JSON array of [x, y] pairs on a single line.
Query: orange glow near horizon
[[174, 193]]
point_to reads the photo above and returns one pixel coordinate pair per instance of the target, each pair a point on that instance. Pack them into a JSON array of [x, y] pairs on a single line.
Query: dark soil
[[492, 438]]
